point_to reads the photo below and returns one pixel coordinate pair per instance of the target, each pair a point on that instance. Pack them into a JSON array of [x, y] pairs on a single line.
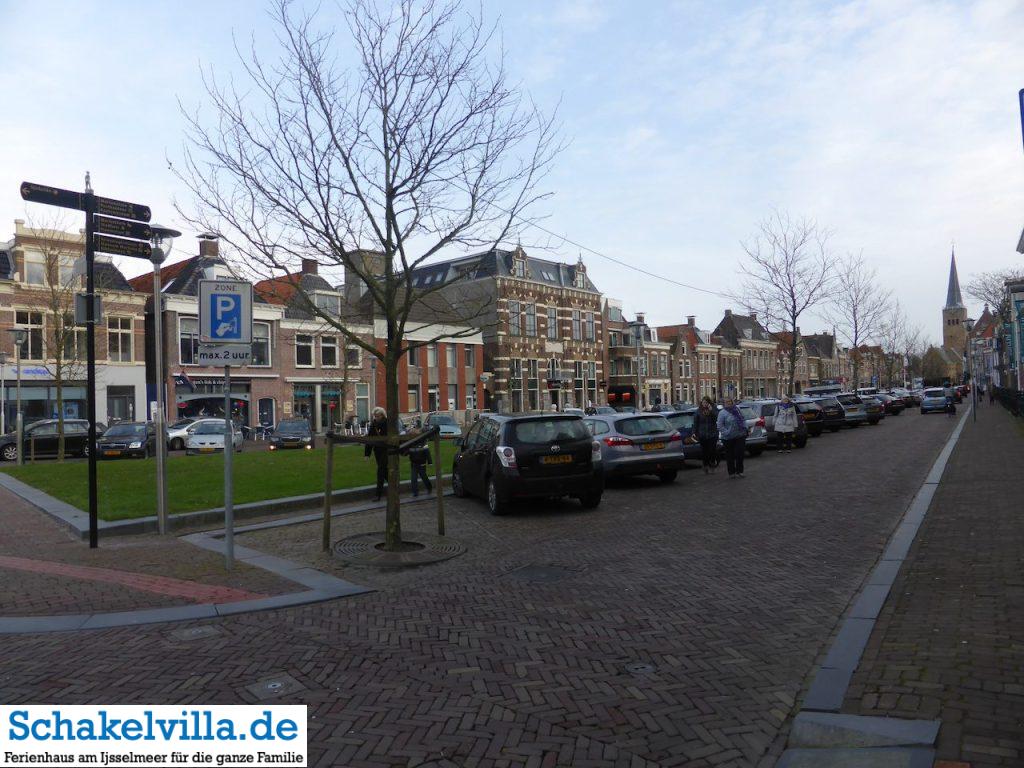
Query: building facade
[[758, 353], [40, 273]]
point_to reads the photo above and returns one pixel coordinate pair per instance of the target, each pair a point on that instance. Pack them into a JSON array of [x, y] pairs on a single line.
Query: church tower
[[954, 334]]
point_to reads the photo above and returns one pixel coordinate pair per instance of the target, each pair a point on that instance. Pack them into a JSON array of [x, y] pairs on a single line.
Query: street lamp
[[162, 237], [20, 336], [4, 359], [637, 329]]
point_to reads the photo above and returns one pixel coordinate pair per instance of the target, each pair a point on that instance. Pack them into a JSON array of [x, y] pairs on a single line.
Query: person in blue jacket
[[732, 427]]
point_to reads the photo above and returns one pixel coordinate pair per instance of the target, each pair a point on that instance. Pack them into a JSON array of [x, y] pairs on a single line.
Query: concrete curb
[[78, 521], [821, 736]]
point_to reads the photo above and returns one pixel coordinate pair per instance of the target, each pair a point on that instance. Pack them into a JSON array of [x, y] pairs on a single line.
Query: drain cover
[[540, 573], [272, 687], [194, 633]]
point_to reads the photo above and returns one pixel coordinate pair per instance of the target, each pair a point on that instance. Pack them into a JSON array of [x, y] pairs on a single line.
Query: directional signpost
[[92, 205], [225, 338]]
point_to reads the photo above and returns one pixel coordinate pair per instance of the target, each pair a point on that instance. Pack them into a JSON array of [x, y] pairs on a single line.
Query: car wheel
[[10, 452], [85, 451], [754, 451], [495, 503], [590, 500], [177, 444], [458, 489], [801, 443], [668, 477]]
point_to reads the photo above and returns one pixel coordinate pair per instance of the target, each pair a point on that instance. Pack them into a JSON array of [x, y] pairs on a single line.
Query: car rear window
[[826, 401], [748, 412], [935, 393], [643, 425], [807, 407], [848, 399], [541, 431], [596, 426], [681, 420]]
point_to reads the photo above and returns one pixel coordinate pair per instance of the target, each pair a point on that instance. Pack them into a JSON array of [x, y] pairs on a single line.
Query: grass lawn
[[127, 487]]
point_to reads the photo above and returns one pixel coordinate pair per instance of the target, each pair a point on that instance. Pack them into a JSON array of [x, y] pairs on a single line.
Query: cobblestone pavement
[[134, 572], [949, 643], [674, 625]]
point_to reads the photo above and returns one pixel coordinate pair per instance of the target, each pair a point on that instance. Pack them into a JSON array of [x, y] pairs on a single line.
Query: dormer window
[[519, 267], [328, 303], [579, 279]]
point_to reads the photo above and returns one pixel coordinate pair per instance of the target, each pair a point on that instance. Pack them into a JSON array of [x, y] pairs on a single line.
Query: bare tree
[[912, 347], [890, 338], [990, 288], [859, 306], [373, 169], [788, 269]]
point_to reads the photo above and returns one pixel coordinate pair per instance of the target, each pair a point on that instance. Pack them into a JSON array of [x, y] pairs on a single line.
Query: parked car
[[626, 409], [832, 411], [292, 433], [854, 412], [894, 406], [573, 412], [44, 434], [874, 408], [811, 414], [177, 433], [445, 422], [503, 458], [683, 422], [604, 409], [127, 439], [933, 400], [638, 444], [208, 437], [767, 413], [757, 436]]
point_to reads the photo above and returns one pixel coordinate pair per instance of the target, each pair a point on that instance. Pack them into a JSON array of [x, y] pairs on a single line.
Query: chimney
[[309, 266], [208, 245], [691, 320], [753, 316], [728, 313], [639, 317]]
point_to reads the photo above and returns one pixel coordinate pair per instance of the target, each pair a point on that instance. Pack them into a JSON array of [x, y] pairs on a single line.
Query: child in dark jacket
[[419, 458]]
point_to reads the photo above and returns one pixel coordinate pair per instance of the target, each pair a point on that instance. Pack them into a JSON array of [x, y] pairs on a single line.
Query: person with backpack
[[785, 423], [419, 458], [705, 430], [732, 426]]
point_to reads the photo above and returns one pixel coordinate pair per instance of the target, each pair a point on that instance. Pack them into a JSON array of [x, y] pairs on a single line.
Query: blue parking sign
[[226, 316], [225, 312]]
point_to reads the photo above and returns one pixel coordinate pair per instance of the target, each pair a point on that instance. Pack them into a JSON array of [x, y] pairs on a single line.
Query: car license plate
[[111, 453], [206, 449], [652, 446], [563, 459]]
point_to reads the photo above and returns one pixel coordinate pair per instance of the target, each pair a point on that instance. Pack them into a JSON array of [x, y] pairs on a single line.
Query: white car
[[445, 422], [207, 436], [177, 433]]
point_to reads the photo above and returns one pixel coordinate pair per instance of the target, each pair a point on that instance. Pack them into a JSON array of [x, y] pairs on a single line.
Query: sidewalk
[[949, 643]]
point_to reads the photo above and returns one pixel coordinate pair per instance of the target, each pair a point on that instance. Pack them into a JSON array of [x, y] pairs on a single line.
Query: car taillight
[[614, 442], [676, 437], [759, 422], [595, 451], [507, 456]]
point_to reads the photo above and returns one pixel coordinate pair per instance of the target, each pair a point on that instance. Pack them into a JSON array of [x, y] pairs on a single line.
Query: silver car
[[757, 434], [683, 421], [641, 444], [445, 422], [854, 411], [208, 437], [934, 401]]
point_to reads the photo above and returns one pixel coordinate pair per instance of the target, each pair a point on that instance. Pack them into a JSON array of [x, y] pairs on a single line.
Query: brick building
[[620, 356], [757, 351], [698, 364], [38, 282]]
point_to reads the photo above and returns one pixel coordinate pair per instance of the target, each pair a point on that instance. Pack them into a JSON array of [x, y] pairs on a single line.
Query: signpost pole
[[19, 421], [229, 449], [90, 342], [159, 379], [328, 493]]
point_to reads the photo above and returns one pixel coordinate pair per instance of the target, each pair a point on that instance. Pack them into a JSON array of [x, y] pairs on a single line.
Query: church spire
[[953, 297]]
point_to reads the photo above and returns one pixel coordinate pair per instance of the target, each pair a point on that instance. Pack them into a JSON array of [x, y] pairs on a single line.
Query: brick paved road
[[949, 641], [682, 633]]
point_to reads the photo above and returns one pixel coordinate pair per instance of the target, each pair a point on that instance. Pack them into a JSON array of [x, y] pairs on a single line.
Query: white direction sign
[[220, 355], [225, 312]]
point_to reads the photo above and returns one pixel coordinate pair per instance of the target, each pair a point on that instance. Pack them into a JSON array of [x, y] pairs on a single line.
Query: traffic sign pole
[[229, 449], [89, 200]]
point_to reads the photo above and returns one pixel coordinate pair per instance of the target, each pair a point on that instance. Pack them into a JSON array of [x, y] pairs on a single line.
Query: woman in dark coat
[[379, 428], [705, 429]]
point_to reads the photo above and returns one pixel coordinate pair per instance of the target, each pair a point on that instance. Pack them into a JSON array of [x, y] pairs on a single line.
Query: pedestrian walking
[[378, 428], [705, 429], [991, 395], [419, 458], [732, 427], [785, 423]]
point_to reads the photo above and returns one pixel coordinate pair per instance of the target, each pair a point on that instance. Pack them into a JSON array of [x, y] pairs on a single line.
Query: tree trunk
[[792, 360], [59, 381], [393, 520]]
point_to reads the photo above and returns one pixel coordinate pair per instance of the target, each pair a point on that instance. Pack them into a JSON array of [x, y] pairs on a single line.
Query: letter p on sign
[[226, 314]]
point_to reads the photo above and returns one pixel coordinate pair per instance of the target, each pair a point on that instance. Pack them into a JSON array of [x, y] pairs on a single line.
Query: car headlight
[[134, 445]]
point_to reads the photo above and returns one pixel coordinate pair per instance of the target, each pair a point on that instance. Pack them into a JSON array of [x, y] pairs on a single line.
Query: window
[[449, 355], [516, 385], [590, 327], [35, 268], [188, 340], [580, 279], [576, 334], [119, 339], [513, 318], [663, 365], [432, 359], [414, 355], [470, 399], [353, 357], [553, 369], [470, 357], [75, 339], [687, 367], [66, 271], [531, 319], [453, 397], [519, 268], [303, 350], [260, 344], [552, 322], [414, 398], [328, 303], [329, 351]]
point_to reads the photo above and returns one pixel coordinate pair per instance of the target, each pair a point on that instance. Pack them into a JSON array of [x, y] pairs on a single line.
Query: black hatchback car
[[292, 433], [503, 458], [40, 440], [832, 411], [127, 439]]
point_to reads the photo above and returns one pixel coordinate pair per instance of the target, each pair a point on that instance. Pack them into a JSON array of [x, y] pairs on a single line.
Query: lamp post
[[161, 236], [637, 329], [3, 392], [20, 335]]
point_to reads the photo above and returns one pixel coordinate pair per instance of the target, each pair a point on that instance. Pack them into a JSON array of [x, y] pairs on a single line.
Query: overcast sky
[[893, 123]]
